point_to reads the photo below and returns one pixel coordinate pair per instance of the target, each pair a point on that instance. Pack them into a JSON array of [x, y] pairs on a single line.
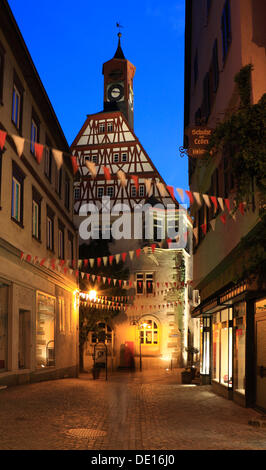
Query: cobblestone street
[[129, 412]]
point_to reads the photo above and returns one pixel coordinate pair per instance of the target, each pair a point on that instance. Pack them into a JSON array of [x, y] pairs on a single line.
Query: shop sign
[[199, 139]]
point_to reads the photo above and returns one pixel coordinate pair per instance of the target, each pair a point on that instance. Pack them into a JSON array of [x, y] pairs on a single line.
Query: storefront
[[45, 331], [230, 346]]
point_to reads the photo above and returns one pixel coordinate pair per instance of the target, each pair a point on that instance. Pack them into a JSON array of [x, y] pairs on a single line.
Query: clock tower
[[118, 85]]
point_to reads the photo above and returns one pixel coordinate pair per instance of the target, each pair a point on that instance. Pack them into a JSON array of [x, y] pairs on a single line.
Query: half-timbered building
[[116, 175]]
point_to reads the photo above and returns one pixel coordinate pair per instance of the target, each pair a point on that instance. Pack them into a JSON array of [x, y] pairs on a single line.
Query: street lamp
[[92, 295]]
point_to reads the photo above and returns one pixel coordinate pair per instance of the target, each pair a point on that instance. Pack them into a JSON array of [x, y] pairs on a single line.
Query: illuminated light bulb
[[92, 295]]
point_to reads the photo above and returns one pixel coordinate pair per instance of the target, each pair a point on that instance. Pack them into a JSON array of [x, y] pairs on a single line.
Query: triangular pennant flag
[[105, 259], [38, 148], [171, 191], [93, 277], [124, 255], [3, 135], [223, 218], [91, 260], [82, 275], [138, 252], [204, 228], [242, 208], [221, 203], [214, 200], [88, 276], [122, 178], [74, 164], [198, 198], [99, 260], [22, 256], [147, 182], [131, 254], [117, 258], [195, 232], [86, 263], [161, 188], [111, 257], [227, 202], [206, 200], [92, 168], [104, 280], [181, 193], [107, 174], [79, 263], [19, 142], [153, 247], [190, 196], [213, 224], [58, 156], [136, 181], [115, 281]]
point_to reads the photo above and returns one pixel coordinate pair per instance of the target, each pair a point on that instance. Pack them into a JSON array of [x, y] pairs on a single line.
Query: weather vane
[[119, 26]]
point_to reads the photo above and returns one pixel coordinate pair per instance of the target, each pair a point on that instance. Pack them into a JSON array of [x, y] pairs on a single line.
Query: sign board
[[199, 138]]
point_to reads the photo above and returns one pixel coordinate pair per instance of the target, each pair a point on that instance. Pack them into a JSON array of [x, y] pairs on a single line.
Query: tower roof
[[119, 53]]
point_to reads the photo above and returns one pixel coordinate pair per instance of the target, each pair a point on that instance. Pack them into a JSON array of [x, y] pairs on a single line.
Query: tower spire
[[119, 53]]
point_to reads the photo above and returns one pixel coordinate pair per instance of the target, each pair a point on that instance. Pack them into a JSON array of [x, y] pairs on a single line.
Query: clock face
[[115, 92]]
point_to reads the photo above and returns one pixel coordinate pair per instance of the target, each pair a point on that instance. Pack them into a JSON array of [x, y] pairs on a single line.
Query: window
[[35, 131], [45, 329], [59, 182], [196, 68], [215, 66], [209, 4], [61, 315], [222, 348], [100, 191], [140, 285], [148, 330], [141, 190], [36, 214], [124, 157], [94, 158], [48, 161], [226, 29], [116, 157], [110, 191], [77, 193], [240, 347], [133, 191], [70, 246], [149, 283], [17, 194], [2, 65], [110, 127], [205, 345], [3, 327], [61, 240], [144, 283], [67, 191], [16, 107], [50, 229], [101, 128]]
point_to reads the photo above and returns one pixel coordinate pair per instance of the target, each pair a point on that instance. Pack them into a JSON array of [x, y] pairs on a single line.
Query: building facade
[[117, 176], [38, 294], [222, 37]]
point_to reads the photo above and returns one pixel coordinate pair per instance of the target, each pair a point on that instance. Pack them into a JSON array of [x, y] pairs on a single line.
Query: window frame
[[48, 160], [35, 124], [18, 176], [67, 191], [107, 191], [100, 188], [49, 218], [61, 240], [152, 330], [36, 199]]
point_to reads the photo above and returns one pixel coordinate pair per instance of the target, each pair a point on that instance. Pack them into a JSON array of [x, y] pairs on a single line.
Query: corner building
[[223, 36], [38, 296], [113, 164]]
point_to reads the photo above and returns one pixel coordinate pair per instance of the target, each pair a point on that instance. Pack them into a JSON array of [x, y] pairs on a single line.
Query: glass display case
[[45, 331]]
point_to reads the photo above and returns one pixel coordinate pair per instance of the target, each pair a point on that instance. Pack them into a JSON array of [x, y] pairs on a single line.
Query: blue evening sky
[[70, 40]]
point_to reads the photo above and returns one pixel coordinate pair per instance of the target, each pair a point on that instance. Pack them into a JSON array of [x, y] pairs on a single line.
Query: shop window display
[[223, 348], [205, 346], [240, 347], [45, 329], [216, 348]]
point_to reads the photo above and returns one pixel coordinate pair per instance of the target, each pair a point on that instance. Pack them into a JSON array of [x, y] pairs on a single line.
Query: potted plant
[[190, 371]]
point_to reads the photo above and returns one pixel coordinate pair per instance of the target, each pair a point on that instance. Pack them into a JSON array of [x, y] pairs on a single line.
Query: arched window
[[148, 332]]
